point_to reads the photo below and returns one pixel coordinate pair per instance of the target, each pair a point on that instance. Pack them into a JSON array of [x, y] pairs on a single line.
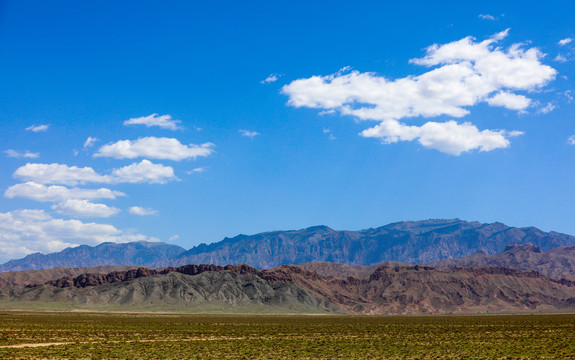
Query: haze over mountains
[[411, 242]]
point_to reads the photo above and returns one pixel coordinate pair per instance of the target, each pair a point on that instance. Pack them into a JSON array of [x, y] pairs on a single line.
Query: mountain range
[[388, 290], [411, 242]]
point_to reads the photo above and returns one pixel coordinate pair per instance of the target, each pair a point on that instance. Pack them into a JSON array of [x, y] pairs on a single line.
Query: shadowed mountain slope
[[141, 253], [407, 242], [556, 263]]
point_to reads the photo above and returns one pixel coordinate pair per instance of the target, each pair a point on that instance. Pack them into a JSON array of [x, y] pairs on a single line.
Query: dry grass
[[171, 336]]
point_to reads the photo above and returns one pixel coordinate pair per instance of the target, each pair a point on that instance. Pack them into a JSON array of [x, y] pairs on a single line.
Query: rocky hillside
[[141, 253], [388, 290], [23, 278], [215, 290], [407, 242], [556, 263]]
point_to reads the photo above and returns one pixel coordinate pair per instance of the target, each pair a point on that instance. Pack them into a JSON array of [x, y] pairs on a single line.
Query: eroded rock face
[[388, 290], [556, 263]]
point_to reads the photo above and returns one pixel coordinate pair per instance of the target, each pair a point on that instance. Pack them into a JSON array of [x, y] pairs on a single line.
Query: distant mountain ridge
[[410, 242], [141, 253]]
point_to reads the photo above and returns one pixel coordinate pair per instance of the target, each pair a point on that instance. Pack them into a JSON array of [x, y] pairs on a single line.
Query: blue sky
[[186, 122]]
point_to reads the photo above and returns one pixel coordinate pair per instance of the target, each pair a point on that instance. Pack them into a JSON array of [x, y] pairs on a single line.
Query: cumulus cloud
[[509, 100], [448, 137], [59, 174], [55, 193], [565, 41], [137, 210], [464, 73], [486, 17], [84, 208], [90, 141], [270, 79], [37, 128], [142, 172], [162, 121], [23, 232], [155, 148], [560, 58], [18, 154], [248, 133], [571, 140]]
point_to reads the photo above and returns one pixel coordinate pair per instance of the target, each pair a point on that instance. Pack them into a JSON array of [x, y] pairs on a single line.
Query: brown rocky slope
[[388, 290], [556, 263]]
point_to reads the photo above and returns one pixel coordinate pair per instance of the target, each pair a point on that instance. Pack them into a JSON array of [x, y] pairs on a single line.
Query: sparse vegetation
[[178, 336]]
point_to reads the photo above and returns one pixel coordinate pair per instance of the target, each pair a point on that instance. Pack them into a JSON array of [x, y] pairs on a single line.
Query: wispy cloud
[[330, 134], [565, 41], [270, 79], [155, 148], [546, 109], [248, 133], [197, 170], [142, 172], [486, 17], [161, 121], [137, 210], [90, 141], [465, 73], [18, 154], [571, 140], [38, 128]]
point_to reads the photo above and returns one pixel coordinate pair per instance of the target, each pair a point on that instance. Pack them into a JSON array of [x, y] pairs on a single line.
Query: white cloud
[[23, 232], [571, 140], [486, 17], [59, 174], [55, 193], [162, 121], [154, 148], [569, 95], [90, 141], [248, 133], [17, 154], [142, 172], [330, 134], [84, 208], [546, 109], [565, 41], [197, 170], [448, 137], [174, 238], [37, 128], [137, 210], [509, 101], [270, 79], [465, 73]]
